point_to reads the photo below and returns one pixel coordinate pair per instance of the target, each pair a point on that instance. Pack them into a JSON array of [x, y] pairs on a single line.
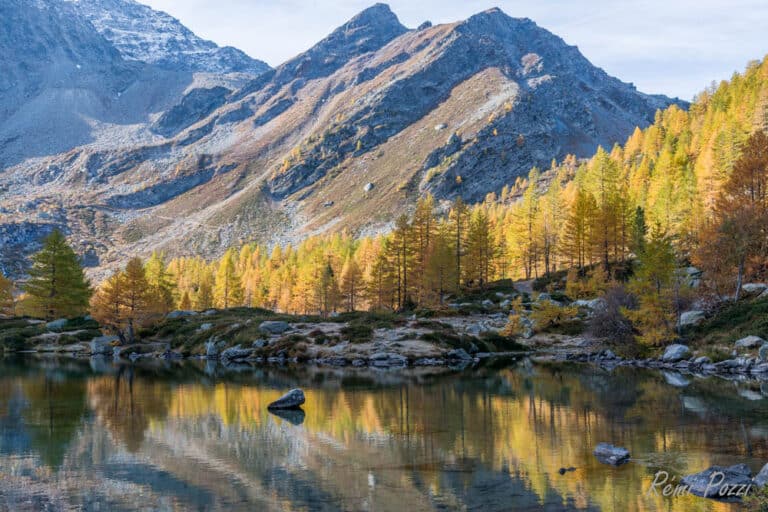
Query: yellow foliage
[[547, 315]]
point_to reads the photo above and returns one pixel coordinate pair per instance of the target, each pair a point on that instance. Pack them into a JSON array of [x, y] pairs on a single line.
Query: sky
[[673, 47]]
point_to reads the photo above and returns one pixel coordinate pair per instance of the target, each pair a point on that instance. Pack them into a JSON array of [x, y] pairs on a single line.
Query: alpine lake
[[93, 434]]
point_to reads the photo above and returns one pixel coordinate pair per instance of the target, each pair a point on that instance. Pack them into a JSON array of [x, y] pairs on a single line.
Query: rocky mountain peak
[[143, 34]]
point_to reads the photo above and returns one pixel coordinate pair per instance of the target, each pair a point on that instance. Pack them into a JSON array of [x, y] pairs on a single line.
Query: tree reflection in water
[[192, 436]]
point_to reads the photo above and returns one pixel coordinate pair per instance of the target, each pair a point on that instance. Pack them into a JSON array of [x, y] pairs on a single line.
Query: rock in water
[[609, 454], [675, 353], [103, 345], [720, 482], [761, 479], [212, 349], [236, 353], [292, 416], [291, 400]]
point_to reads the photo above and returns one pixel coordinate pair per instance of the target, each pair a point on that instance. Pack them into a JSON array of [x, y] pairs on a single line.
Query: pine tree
[[57, 286], [458, 218]]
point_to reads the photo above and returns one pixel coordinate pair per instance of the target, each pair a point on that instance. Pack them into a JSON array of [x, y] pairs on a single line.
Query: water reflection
[[91, 435]]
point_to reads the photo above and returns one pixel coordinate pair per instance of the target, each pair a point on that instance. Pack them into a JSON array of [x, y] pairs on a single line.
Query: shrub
[[547, 315], [357, 333], [609, 320]]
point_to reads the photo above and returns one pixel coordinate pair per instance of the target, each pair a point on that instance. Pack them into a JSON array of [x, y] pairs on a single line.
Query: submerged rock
[[675, 353], [292, 416], [291, 400], [609, 454], [720, 482]]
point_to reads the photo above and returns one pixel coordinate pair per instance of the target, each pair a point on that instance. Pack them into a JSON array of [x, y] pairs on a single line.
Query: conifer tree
[[7, 300], [57, 286], [228, 293], [351, 283]]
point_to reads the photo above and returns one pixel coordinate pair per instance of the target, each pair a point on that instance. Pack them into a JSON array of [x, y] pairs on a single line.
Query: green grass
[[357, 332], [733, 322]]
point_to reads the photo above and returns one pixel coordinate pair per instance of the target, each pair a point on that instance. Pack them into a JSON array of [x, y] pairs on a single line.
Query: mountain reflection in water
[[96, 436]]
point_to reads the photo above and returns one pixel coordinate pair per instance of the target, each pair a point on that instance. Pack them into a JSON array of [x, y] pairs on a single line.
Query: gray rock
[[488, 303], [212, 349], [56, 325], [291, 400], [675, 353], [387, 359], [761, 479], [754, 288], [103, 345], [701, 361], [763, 353], [719, 481], [428, 361], [205, 327], [210, 312], [368, 187], [610, 454], [691, 318], [274, 326], [236, 353], [180, 314], [505, 304], [458, 354], [259, 343], [750, 342]]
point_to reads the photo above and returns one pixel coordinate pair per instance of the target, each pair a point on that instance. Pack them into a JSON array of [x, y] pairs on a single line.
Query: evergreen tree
[[228, 293], [7, 300], [57, 286]]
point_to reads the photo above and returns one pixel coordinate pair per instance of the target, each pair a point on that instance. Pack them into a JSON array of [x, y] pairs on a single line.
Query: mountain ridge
[[453, 109]]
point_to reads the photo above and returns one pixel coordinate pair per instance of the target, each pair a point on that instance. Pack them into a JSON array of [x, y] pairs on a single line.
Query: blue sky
[[674, 47]]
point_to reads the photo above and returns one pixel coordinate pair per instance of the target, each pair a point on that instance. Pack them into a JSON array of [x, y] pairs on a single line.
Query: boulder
[[103, 345], [205, 327], [56, 325], [750, 342], [701, 361], [675, 353], [593, 304], [259, 344], [761, 479], [291, 400], [387, 359], [274, 326], [505, 304], [488, 303], [754, 288], [719, 481], [179, 314], [609, 454], [236, 353], [691, 318], [212, 349], [763, 352]]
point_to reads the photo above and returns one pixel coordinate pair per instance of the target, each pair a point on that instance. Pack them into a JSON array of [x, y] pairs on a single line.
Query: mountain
[[345, 135], [142, 34]]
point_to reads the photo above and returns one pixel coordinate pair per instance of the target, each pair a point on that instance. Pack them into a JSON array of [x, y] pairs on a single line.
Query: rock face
[[142, 34], [291, 400], [720, 482], [610, 454], [675, 353], [750, 342], [510, 94]]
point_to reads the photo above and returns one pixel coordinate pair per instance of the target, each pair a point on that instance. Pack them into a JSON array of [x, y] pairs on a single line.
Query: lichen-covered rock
[[691, 318], [291, 400]]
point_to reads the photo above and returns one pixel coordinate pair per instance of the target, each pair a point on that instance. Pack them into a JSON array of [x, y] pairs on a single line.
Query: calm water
[[75, 435]]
